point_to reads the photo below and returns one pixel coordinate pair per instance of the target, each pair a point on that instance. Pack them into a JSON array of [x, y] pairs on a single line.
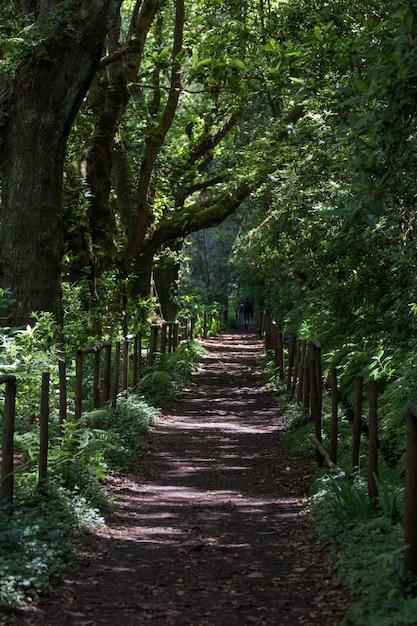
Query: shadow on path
[[216, 531]]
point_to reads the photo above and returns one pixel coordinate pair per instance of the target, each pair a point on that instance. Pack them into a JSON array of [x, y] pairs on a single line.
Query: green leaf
[[317, 33], [362, 85], [239, 63]]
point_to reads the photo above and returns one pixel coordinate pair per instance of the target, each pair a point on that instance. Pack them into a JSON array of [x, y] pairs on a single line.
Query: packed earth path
[[215, 528]]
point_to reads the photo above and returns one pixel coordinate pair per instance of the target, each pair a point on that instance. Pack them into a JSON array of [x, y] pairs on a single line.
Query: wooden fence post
[[297, 363], [302, 370], [315, 405], [316, 352], [373, 440], [44, 430], [175, 336], [274, 340], [62, 372], [171, 337], [268, 332], [136, 359], [139, 349], [97, 373], [7, 475], [116, 371], [410, 504], [153, 343], [164, 339], [306, 386], [78, 384], [125, 364], [291, 353], [261, 317], [334, 416], [357, 424], [281, 363]]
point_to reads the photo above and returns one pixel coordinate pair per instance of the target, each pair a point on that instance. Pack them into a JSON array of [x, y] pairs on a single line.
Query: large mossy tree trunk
[[42, 101]]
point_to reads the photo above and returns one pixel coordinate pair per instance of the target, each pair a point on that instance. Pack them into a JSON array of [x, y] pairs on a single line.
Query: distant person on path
[[247, 310]]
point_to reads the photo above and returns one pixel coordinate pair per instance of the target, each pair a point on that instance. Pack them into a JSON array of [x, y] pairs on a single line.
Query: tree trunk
[[43, 100], [165, 273]]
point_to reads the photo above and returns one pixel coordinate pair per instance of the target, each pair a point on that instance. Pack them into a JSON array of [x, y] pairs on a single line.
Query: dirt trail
[[214, 531]]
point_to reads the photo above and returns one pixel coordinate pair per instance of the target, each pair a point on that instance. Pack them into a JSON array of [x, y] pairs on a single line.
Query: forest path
[[214, 531]]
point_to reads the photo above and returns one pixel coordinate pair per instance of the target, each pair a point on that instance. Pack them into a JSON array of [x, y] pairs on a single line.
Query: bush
[[35, 542], [366, 545], [157, 388]]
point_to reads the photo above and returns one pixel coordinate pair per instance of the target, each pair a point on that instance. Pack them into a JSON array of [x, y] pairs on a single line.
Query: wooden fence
[[116, 366], [7, 475], [299, 365]]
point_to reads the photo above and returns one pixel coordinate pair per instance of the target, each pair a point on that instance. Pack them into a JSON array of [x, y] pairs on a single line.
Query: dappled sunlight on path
[[215, 532]]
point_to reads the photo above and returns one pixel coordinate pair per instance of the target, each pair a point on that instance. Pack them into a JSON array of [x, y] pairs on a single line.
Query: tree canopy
[[171, 115]]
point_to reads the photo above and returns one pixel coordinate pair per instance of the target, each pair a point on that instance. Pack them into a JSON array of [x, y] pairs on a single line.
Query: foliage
[[160, 383], [367, 548], [35, 541], [209, 318], [327, 245], [206, 269], [363, 540]]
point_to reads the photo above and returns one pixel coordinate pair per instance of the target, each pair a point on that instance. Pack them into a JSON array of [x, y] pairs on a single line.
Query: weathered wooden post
[[315, 406], [175, 336], [274, 342], [334, 417], [316, 352], [125, 363], [291, 353], [410, 504], [261, 317], [373, 440], [44, 430], [62, 373], [266, 338], [297, 355], [357, 423], [136, 358], [96, 379], [268, 332], [280, 342], [302, 370], [78, 384], [306, 386], [205, 325], [139, 348], [153, 343], [7, 475], [116, 372], [165, 328]]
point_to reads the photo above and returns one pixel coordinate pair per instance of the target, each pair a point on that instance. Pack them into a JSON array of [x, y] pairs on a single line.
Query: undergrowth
[[37, 531], [363, 540], [36, 539]]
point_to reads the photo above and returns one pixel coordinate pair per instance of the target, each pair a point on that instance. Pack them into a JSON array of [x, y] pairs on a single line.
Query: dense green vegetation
[[38, 530], [363, 539], [217, 150]]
